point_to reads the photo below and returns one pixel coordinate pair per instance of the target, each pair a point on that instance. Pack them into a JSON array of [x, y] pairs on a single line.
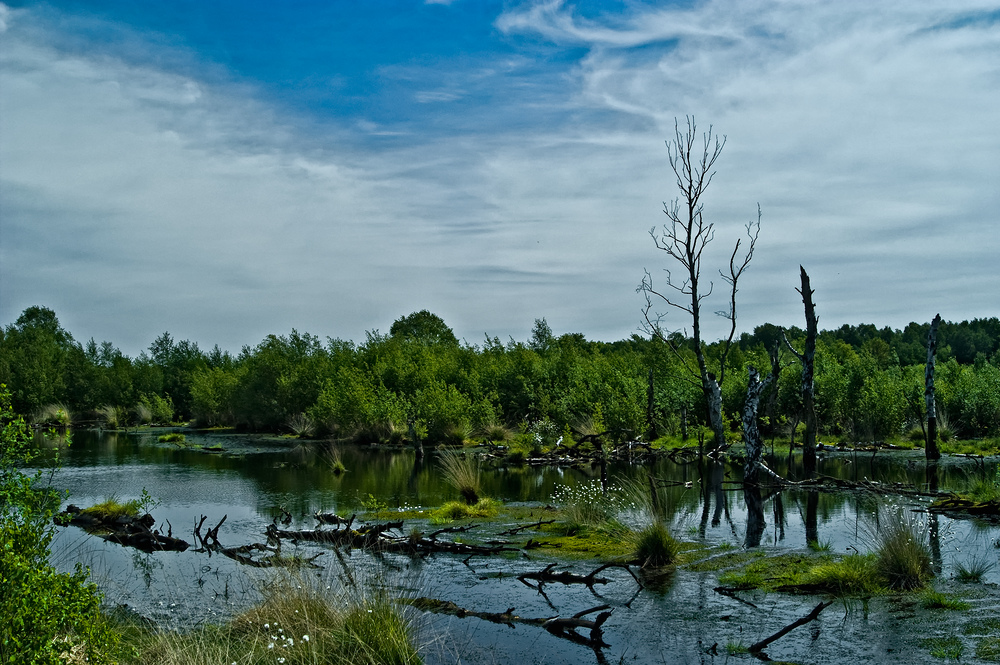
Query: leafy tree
[[423, 327]]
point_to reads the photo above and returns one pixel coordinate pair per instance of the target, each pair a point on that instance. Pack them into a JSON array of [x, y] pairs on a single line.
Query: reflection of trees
[[812, 529], [755, 515]]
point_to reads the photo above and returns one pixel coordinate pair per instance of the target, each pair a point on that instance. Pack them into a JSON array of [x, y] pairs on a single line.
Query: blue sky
[[226, 170]]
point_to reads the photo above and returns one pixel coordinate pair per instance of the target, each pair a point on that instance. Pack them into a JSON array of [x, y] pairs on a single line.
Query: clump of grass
[[988, 648], [54, 414], [853, 575], [587, 507], [974, 570], [455, 510], [935, 600], [113, 416], [301, 425], [461, 471], [819, 545], [298, 622], [496, 433], [945, 648], [111, 509], [655, 546], [902, 556], [173, 437], [332, 458]]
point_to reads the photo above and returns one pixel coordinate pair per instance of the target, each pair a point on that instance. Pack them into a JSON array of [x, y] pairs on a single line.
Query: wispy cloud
[[139, 196]]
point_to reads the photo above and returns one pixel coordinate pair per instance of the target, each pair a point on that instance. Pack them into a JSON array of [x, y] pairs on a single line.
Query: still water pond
[[677, 620]]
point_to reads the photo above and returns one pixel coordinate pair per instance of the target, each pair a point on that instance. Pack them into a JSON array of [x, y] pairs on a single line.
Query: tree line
[[419, 378]]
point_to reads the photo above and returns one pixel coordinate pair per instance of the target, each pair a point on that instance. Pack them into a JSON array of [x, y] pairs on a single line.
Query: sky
[[225, 170]]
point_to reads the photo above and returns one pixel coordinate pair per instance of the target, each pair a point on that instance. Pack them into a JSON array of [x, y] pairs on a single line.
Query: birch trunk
[[930, 449]]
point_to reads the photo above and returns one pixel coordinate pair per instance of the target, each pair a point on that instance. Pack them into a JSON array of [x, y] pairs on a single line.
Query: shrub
[[45, 613]]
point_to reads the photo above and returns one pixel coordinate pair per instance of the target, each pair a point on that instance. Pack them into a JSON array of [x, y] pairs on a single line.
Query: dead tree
[[751, 432], [931, 451], [684, 238], [807, 358]]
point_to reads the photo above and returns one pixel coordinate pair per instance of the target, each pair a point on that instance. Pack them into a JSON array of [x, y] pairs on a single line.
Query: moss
[[173, 437], [721, 562]]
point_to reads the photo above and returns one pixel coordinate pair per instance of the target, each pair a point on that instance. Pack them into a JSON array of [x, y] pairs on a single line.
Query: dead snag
[[760, 646]]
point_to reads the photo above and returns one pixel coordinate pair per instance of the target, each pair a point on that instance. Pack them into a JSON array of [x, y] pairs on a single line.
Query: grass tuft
[[454, 510], [298, 622], [974, 570], [655, 546], [935, 600], [461, 471], [903, 558]]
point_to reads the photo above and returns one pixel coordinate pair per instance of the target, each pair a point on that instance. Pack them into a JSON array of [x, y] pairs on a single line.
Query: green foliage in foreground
[[300, 622], [45, 613]]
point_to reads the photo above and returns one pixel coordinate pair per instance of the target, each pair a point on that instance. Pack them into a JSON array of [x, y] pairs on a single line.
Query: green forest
[[420, 380]]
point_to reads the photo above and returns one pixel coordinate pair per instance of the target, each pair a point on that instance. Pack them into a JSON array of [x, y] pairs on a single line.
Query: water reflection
[[703, 501]]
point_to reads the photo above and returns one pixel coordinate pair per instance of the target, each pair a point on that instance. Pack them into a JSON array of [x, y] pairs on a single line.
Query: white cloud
[[137, 200]]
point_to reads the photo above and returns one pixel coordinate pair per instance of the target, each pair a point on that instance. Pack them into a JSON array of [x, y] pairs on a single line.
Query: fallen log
[[129, 531], [759, 646]]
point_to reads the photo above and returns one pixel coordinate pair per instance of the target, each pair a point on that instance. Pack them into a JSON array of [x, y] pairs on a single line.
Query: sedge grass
[[299, 622], [903, 558], [461, 471], [655, 547]]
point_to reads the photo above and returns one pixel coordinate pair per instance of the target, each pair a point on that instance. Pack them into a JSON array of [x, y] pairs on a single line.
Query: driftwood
[[375, 537], [518, 529], [271, 557], [760, 646], [957, 506], [134, 532], [558, 626]]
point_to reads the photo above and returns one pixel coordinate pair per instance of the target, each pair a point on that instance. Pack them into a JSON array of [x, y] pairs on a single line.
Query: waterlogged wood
[[751, 432], [134, 532], [760, 646], [376, 537], [956, 505]]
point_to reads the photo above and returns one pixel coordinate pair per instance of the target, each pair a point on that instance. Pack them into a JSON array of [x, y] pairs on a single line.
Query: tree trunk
[[807, 358], [808, 386], [930, 449], [713, 394], [751, 431]]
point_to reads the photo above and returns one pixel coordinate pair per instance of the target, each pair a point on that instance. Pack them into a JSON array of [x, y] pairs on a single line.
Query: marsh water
[[676, 619]]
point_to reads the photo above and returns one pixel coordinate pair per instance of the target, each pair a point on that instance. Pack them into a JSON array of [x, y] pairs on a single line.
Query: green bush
[[45, 613]]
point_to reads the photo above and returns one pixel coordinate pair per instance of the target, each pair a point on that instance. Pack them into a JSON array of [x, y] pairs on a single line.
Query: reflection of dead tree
[[549, 574], [560, 627]]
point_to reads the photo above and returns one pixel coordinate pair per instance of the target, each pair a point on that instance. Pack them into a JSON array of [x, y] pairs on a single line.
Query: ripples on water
[[188, 588]]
